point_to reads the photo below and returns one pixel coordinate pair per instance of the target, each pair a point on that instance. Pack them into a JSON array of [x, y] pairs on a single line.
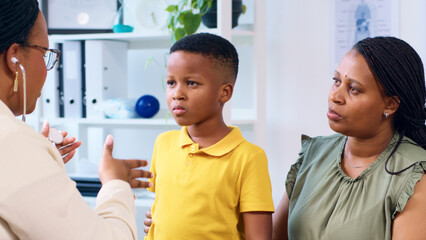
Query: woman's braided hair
[[16, 20], [399, 69]]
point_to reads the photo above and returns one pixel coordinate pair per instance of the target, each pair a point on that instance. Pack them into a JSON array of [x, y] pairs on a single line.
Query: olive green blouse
[[325, 203]]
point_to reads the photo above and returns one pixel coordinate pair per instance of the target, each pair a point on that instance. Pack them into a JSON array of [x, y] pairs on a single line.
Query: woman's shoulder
[[410, 152], [321, 142], [13, 128]]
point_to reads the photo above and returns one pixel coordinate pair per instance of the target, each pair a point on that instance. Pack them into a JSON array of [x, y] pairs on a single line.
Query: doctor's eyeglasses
[[51, 56]]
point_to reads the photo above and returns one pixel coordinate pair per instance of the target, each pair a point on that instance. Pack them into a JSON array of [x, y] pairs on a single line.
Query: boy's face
[[196, 91]]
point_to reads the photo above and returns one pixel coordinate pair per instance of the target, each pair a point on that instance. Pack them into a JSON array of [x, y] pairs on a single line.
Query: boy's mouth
[[179, 110]]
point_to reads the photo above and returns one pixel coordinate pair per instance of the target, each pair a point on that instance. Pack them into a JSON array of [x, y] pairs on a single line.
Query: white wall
[[299, 74]]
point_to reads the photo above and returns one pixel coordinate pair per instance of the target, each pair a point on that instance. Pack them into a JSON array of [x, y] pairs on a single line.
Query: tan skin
[[196, 93], [32, 60], [356, 109]]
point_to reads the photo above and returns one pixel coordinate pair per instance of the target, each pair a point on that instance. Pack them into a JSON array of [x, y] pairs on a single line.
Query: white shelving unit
[[134, 138]]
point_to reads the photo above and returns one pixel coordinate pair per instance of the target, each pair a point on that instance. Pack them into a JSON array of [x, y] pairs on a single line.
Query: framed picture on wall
[[79, 16], [354, 20]]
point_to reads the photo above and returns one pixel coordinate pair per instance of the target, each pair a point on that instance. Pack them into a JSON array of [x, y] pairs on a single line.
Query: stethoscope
[[55, 135]]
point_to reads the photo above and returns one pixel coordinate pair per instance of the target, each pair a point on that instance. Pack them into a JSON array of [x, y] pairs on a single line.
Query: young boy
[[210, 183]]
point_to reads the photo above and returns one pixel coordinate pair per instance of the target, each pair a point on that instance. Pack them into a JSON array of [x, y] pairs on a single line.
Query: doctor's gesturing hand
[[126, 170], [66, 147]]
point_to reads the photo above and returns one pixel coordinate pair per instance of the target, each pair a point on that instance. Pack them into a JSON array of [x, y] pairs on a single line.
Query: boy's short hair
[[213, 46]]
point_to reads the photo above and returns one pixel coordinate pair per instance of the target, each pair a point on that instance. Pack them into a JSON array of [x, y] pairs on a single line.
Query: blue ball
[[147, 106]]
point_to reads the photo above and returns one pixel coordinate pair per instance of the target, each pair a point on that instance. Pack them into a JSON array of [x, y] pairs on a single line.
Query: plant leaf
[[244, 8], [182, 3], [206, 6], [163, 82], [182, 16], [172, 8], [148, 62], [178, 34], [200, 4], [191, 23]]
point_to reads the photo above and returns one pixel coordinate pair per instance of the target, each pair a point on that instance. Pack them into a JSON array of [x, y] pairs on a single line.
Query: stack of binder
[[88, 187], [88, 72]]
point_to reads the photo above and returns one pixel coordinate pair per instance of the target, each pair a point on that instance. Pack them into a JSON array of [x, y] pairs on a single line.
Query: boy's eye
[[191, 83], [170, 82]]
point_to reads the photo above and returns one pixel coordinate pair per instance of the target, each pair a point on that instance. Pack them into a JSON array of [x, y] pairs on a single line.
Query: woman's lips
[[332, 115]]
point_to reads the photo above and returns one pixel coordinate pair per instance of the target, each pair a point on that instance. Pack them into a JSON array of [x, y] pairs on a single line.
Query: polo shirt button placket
[[191, 155]]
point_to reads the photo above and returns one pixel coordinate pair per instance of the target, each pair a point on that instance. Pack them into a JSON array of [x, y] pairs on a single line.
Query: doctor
[[37, 198]]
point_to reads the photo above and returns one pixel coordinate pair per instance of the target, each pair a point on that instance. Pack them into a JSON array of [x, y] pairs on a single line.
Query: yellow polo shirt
[[201, 193]]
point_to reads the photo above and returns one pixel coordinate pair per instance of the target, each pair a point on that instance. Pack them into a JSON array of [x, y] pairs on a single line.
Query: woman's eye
[[336, 81], [354, 90]]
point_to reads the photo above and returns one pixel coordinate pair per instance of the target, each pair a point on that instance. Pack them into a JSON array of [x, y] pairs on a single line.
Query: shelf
[[241, 35], [105, 122], [239, 117], [128, 122]]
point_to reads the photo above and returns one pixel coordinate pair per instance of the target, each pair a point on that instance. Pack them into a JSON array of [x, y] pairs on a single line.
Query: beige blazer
[[39, 201]]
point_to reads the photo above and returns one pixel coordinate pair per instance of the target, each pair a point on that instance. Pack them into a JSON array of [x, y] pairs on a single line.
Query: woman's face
[[36, 67], [33, 62], [356, 101]]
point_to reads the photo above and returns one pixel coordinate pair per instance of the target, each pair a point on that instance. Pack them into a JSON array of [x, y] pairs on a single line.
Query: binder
[[73, 78], [106, 73], [61, 81], [51, 96]]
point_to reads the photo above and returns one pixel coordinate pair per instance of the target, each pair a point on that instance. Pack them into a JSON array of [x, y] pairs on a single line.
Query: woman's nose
[[335, 95]]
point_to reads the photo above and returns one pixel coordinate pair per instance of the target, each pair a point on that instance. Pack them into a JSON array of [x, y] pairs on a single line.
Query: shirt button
[[188, 164], [191, 155], [193, 148]]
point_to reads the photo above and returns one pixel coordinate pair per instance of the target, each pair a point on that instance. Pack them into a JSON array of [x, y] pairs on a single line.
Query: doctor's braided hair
[[17, 17], [399, 69]]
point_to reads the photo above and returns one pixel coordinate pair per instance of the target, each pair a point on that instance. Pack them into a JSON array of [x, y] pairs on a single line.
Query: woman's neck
[[365, 148]]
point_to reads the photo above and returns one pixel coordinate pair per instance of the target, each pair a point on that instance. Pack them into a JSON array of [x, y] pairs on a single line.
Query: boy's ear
[[392, 104], [226, 91]]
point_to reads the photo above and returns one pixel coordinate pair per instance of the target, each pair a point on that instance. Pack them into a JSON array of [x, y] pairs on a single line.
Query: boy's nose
[[178, 94]]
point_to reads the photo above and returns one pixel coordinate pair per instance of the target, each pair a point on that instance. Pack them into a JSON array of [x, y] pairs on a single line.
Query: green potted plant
[[209, 19], [185, 17]]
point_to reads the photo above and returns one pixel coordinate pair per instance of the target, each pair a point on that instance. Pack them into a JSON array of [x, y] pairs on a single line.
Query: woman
[[368, 181], [37, 198]]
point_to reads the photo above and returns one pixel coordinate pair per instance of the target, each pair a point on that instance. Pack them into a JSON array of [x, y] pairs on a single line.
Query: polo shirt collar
[[224, 146]]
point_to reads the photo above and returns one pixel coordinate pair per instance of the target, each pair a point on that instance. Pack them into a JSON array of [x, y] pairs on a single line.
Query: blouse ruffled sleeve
[[292, 174], [408, 189]]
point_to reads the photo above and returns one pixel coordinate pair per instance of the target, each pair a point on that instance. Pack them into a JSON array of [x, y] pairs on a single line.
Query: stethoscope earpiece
[[14, 60]]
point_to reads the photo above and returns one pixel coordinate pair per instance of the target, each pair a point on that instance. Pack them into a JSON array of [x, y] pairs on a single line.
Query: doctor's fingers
[[68, 156], [135, 163], [45, 128], [67, 141], [134, 183], [139, 173], [66, 148]]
